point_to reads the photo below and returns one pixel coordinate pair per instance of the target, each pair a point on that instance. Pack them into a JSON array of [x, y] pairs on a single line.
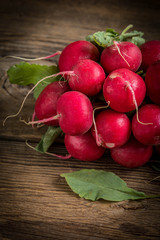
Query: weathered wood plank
[[36, 202]]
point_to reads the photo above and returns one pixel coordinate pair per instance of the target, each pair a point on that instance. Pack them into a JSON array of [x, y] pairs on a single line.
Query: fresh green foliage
[[48, 138], [107, 38], [94, 184], [25, 74]]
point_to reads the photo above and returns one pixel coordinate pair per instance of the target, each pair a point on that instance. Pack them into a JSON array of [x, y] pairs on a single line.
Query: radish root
[[33, 59], [53, 75], [45, 120], [98, 139], [51, 154], [135, 103], [116, 45]]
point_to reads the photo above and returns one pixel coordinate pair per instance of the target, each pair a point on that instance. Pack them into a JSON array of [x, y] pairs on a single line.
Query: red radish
[[152, 80], [75, 113], [150, 53], [112, 129], [83, 147], [147, 133], [76, 51], [124, 89], [121, 55], [132, 154], [46, 103], [88, 77]]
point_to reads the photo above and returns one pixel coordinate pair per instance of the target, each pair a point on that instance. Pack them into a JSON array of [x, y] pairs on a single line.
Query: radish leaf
[[94, 184], [107, 38], [25, 74], [48, 138]]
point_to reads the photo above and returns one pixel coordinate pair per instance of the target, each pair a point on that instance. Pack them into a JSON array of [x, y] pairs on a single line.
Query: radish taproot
[[150, 53], [152, 80], [132, 154], [111, 128], [76, 51], [148, 133], [88, 77], [83, 147], [124, 89], [121, 55], [46, 103]]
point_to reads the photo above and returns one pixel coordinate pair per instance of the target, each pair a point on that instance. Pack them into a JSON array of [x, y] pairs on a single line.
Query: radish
[[95, 86], [121, 55], [147, 133], [132, 154], [111, 128], [74, 113], [150, 53], [76, 51], [83, 147], [46, 103], [152, 80], [88, 77], [124, 89]]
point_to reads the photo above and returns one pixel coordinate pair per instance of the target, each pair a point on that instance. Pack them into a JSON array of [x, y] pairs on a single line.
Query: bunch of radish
[[104, 102], [110, 99]]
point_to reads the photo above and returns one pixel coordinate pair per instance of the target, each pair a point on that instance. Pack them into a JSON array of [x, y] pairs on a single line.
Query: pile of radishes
[[104, 102]]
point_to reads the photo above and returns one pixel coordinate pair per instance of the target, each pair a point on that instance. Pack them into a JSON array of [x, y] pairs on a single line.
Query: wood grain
[[35, 202], [34, 197]]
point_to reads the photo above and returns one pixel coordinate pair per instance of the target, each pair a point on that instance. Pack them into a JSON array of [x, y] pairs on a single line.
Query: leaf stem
[[126, 29]]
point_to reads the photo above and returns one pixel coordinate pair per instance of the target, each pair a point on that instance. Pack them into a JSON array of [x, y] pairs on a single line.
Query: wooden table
[[35, 202]]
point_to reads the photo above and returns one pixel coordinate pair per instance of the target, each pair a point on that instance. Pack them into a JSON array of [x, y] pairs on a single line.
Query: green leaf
[[25, 74], [138, 41], [107, 38], [111, 30], [94, 184], [48, 138], [101, 38]]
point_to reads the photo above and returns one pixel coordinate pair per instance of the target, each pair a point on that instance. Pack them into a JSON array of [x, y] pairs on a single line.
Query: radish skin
[[88, 77], [76, 51], [147, 134], [124, 89], [152, 80], [113, 129], [150, 53], [121, 55], [75, 113], [132, 154], [46, 103], [83, 147]]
